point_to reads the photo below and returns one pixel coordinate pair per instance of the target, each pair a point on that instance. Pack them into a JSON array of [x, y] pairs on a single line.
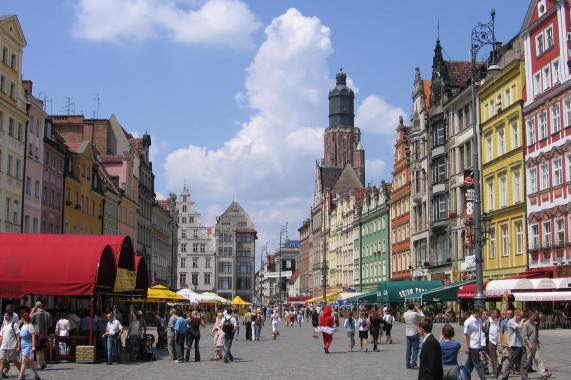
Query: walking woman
[[194, 336], [363, 324], [28, 343], [326, 320], [375, 322], [275, 319], [388, 325], [314, 320], [350, 326]]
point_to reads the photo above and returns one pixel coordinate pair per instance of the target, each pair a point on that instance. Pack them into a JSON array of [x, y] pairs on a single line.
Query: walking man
[[411, 318], [180, 330], [517, 351], [431, 354], [113, 331], [228, 334], [473, 331], [494, 330], [171, 343], [248, 324], [532, 341], [41, 320], [10, 345]]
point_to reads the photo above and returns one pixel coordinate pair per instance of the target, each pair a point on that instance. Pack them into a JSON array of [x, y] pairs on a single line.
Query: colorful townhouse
[[547, 118]]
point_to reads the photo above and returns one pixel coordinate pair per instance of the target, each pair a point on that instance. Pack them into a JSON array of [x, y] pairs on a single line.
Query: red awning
[[469, 291]]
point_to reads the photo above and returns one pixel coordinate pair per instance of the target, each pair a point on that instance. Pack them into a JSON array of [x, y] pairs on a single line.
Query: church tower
[[342, 141]]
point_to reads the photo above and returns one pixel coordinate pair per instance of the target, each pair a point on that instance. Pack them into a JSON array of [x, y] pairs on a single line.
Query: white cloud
[[374, 115], [375, 171], [220, 22]]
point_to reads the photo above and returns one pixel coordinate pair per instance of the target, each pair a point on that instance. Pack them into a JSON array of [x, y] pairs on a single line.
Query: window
[[202, 247], [557, 171], [183, 219], [16, 218], [195, 247], [12, 90], [534, 237], [13, 61], [567, 108], [243, 267], [539, 44], [556, 71], [3, 83], [544, 170], [10, 164], [499, 102], [225, 267], [183, 247], [549, 37], [195, 233], [517, 186], [492, 243], [195, 262], [183, 208], [568, 174], [8, 215], [492, 108], [546, 77], [11, 123], [439, 134], [532, 180], [491, 196], [501, 141], [439, 202], [206, 278], [519, 237], [225, 283], [531, 131], [195, 279], [555, 119], [542, 121], [505, 241], [503, 191], [439, 169], [37, 189], [508, 97], [29, 186], [489, 147], [182, 278], [537, 84], [559, 232], [546, 235], [515, 134], [243, 283]]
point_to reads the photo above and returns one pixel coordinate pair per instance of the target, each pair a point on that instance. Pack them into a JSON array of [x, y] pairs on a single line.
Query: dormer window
[[541, 8]]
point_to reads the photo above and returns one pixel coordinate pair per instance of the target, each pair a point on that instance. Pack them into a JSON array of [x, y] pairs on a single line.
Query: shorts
[[42, 344], [8, 354], [363, 334]]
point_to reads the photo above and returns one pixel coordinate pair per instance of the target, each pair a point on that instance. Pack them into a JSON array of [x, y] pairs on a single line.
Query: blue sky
[[234, 93]]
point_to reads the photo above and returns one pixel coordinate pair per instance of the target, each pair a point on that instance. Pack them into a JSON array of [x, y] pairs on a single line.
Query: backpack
[[227, 326], [364, 323], [463, 373], [258, 320]]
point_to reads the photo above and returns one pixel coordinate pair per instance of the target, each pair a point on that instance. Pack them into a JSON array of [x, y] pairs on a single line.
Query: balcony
[[546, 246], [559, 244], [534, 248]]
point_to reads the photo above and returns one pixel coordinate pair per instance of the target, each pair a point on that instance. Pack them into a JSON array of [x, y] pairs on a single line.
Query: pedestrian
[[28, 345], [229, 326], [503, 341], [375, 321], [133, 337], [180, 330], [314, 321], [517, 351], [411, 319], [171, 343], [275, 320], [42, 321], [194, 336], [299, 317], [431, 354], [292, 316], [493, 333], [326, 320], [142, 322], [238, 322], [388, 325], [218, 337], [62, 329], [450, 349], [532, 341], [350, 324], [363, 324], [113, 333], [287, 318], [473, 331], [248, 324], [258, 323], [100, 328], [10, 345], [484, 348]]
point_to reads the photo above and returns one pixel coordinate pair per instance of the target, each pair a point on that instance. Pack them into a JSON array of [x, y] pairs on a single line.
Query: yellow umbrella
[[328, 296], [216, 297], [160, 294], [239, 301]]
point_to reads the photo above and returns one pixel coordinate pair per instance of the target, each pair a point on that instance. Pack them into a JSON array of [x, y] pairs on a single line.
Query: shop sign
[[125, 280]]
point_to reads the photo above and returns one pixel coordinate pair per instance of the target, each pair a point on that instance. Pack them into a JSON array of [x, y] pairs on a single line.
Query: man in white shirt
[[494, 331], [473, 331], [113, 332], [10, 345], [411, 318]]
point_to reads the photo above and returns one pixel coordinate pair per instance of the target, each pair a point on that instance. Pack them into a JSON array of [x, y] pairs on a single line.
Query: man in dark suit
[[431, 354]]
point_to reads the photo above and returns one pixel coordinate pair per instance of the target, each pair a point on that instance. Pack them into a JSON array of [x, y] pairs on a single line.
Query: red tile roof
[[163, 204], [294, 277], [137, 145], [109, 158], [74, 147], [460, 73]]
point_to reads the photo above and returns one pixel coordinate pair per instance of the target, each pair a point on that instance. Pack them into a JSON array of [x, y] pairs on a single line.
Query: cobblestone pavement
[[295, 355]]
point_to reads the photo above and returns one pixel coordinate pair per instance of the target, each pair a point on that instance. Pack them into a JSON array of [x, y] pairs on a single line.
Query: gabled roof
[[459, 73], [347, 181], [329, 177], [18, 33]]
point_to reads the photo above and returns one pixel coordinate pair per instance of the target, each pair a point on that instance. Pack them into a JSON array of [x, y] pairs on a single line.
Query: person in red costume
[[326, 321]]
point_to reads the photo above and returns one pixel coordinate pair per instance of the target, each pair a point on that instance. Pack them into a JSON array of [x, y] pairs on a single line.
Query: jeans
[[258, 330], [134, 342], [351, 337], [248, 330], [112, 348], [228, 345], [518, 355], [193, 336], [412, 344], [180, 339], [473, 361]]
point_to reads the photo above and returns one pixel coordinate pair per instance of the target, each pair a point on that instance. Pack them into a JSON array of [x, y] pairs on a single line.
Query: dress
[[26, 338], [275, 319]]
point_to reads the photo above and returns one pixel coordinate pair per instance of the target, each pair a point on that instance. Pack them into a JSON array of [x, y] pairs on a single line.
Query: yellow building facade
[[503, 168], [83, 210]]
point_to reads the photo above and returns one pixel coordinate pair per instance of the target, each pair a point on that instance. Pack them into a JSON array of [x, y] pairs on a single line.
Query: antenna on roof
[[438, 30], [98, 103]]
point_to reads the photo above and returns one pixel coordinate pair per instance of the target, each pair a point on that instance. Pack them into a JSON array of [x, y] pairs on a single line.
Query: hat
[[39, 304], [139, 312]]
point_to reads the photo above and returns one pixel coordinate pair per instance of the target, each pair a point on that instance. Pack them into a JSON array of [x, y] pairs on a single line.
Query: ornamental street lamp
[[283, 230], [482, 34]]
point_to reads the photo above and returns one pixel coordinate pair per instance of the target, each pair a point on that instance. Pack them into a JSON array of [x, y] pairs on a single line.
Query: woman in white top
[[363, 324], [350, 324], [133, 336], [275, 319], [388, 325], [62, 329]]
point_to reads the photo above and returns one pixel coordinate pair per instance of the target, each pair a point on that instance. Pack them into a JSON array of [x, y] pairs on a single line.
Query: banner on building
[[286, 274], [125, 280]]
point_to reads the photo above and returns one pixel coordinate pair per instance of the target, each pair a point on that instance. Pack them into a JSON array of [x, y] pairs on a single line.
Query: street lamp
[[482, 34], [283, 230]]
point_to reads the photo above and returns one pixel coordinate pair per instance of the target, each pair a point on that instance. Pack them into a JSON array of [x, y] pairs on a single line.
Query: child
[[363, 324]]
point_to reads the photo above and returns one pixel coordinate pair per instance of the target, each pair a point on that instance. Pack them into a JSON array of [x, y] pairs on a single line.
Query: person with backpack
[[229, 326], [258, 322], [10, 344], [350, 324], [363, 324]]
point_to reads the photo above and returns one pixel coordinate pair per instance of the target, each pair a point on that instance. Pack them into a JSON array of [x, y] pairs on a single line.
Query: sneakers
[[226, 361], [44, 366], [4, 375], [546, 375]]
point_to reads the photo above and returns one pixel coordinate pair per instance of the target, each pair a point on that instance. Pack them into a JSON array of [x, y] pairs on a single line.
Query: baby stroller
[[147, 349], [162, 339]]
